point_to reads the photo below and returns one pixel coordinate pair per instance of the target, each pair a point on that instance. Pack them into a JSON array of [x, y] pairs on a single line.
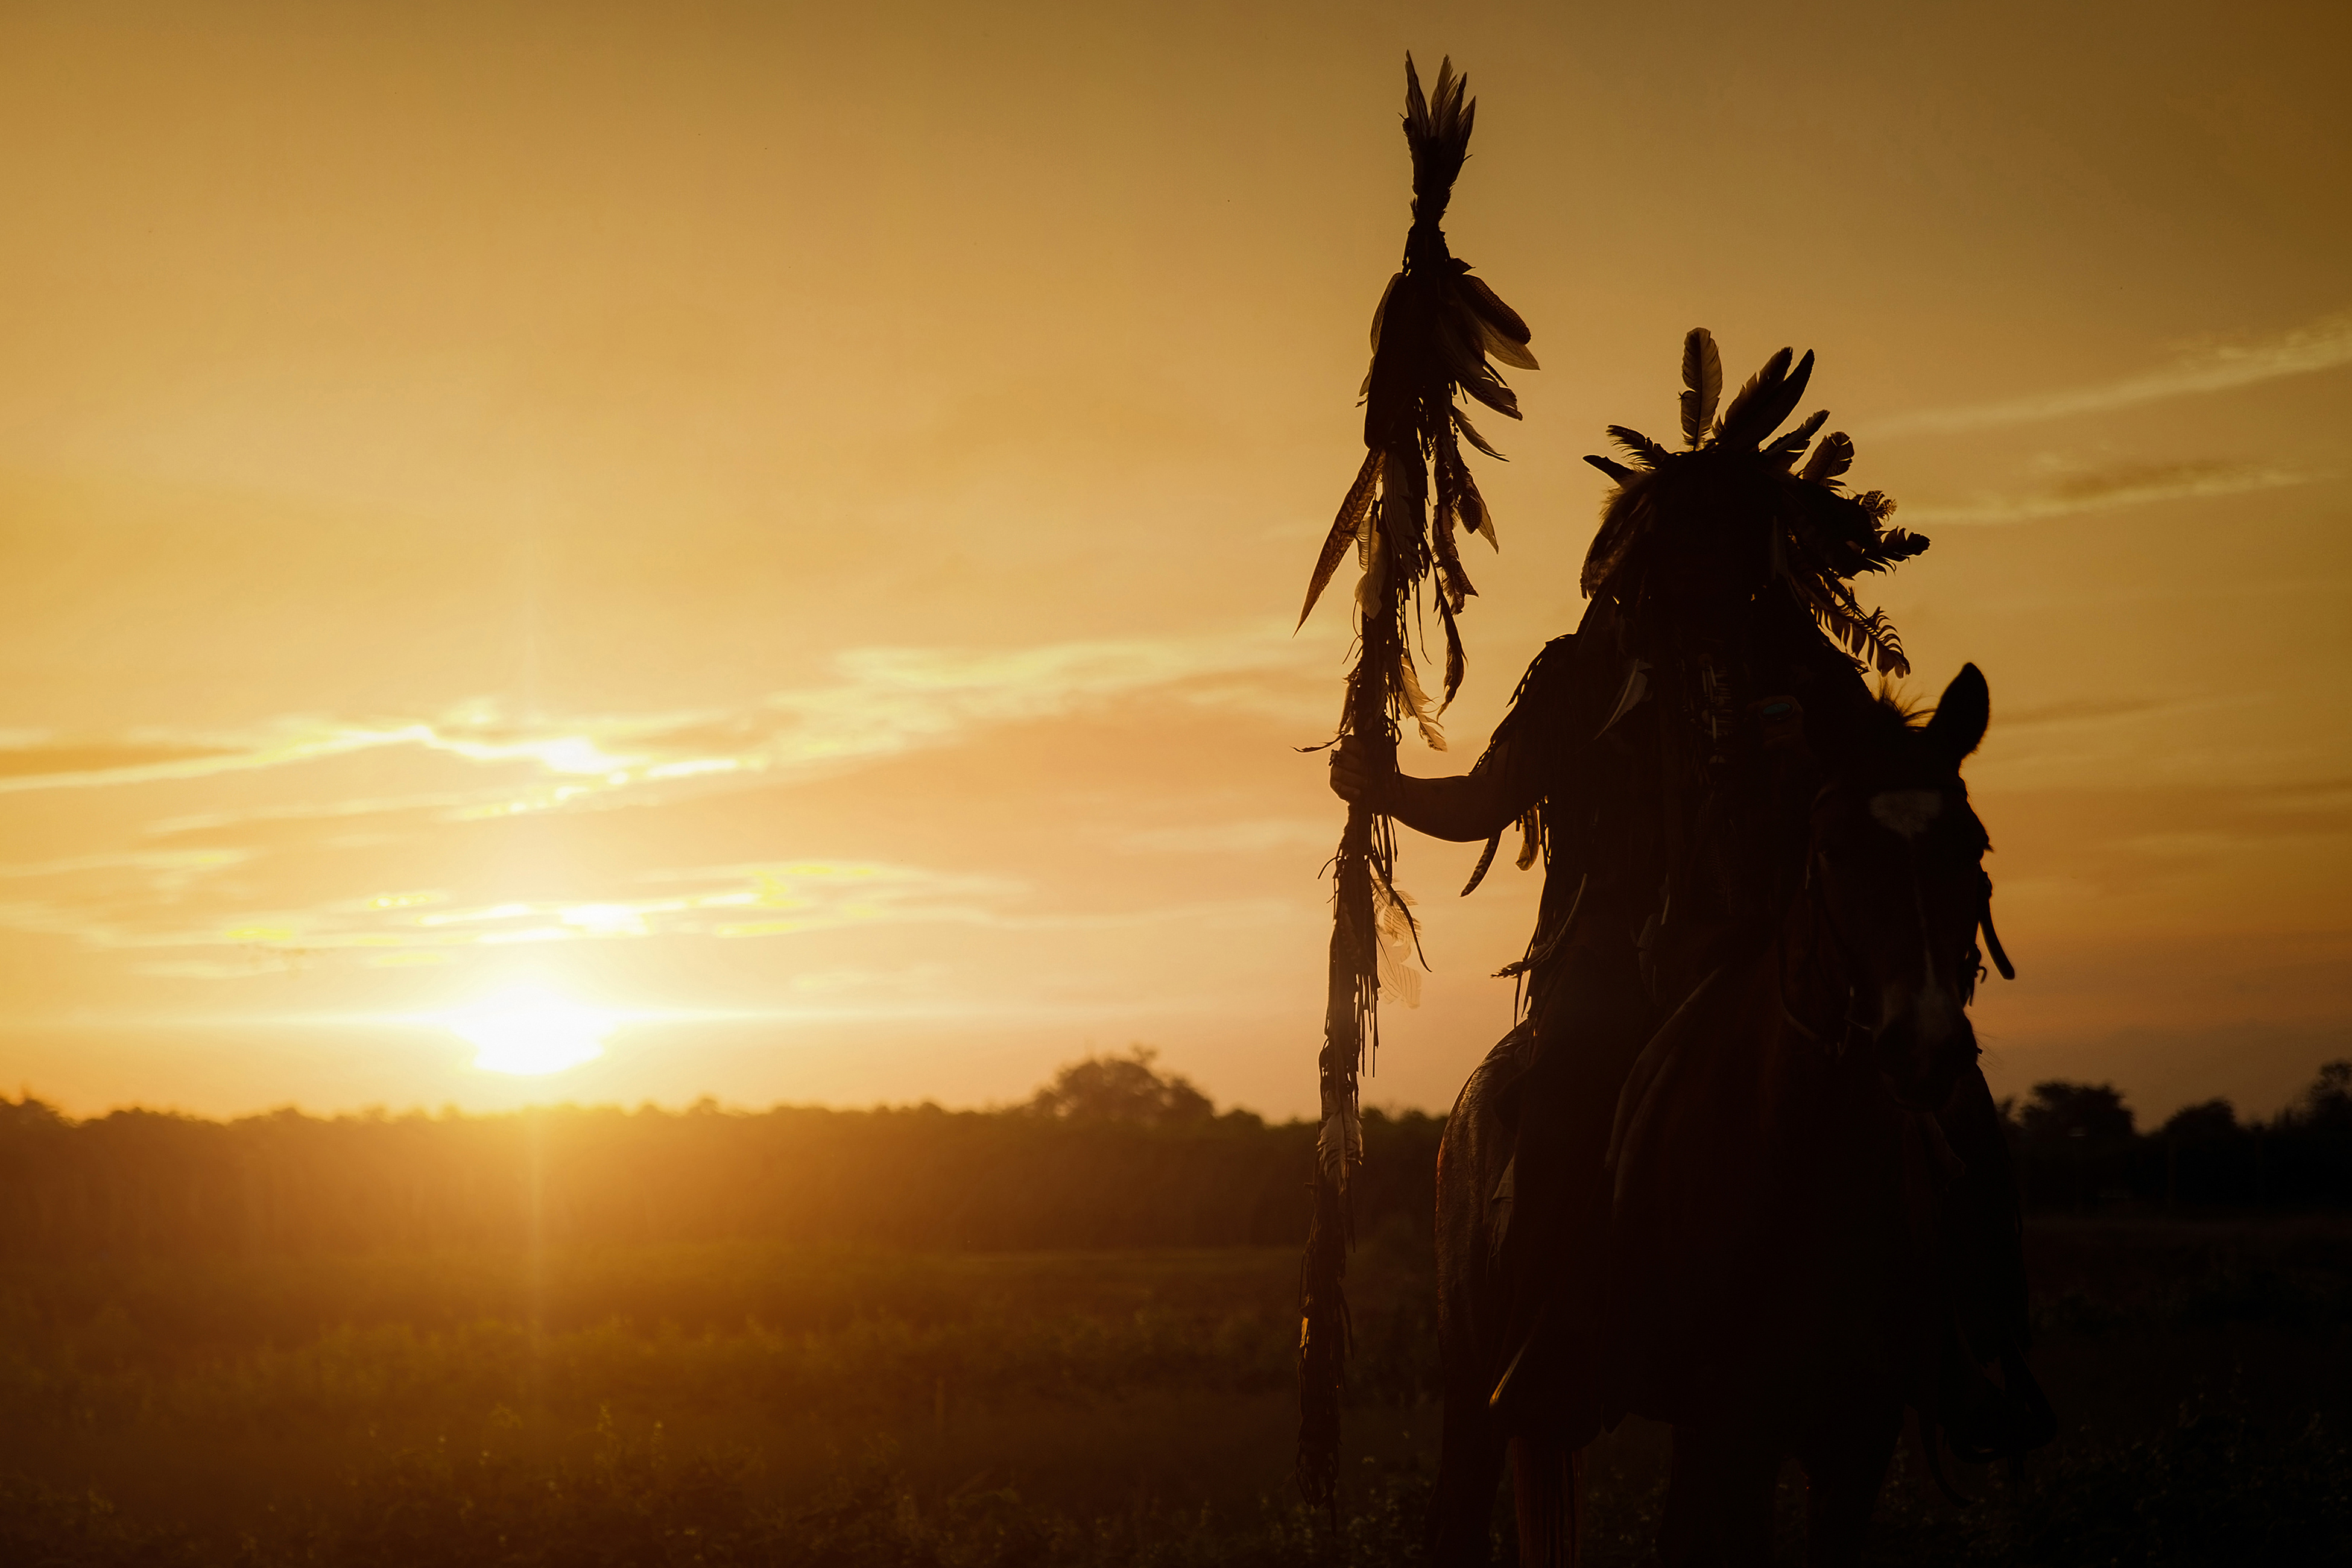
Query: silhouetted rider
[[1655, 758]]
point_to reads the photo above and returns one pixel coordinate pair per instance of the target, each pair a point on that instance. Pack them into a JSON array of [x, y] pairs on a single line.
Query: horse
[[1795, 1253]]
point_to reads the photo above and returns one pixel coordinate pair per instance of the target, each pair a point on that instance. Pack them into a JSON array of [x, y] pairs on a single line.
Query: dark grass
[[740, 1404], [2210, 1489]]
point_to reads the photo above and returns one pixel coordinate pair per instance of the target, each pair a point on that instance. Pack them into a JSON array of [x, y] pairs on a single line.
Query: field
[[736, 1402]]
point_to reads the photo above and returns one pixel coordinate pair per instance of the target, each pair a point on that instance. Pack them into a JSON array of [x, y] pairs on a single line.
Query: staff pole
[[1435, 326]]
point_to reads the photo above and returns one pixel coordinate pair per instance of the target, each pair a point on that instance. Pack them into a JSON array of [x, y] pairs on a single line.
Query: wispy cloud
[[727, 902], [2084, 710], [2322, 346], [237, 887], [1254, 837], [164, 871], [884, 703], [723, 900], [2110, 489]]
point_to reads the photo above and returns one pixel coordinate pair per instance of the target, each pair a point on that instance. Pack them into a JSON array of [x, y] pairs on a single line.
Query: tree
[[2211, 1121], [2079, 1113], [2077, 1143], [2326, 1104], [1122, 1089]]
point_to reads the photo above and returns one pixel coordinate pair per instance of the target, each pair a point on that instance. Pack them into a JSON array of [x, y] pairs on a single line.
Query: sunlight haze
[[626, 553]]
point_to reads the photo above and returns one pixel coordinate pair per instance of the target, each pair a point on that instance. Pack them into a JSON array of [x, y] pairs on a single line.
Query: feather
[[1615, 470], [1488, 389], [1485, 859], [1901, 545], [1623, 520], [1652, 456], [1509, 352], [1475, 517], [1345, 530], [1783, 403], [1453, 504], [1530, 836], [1785, 448], [1371, 552], [1775, 370], [1341, 1143], [1457, 663], [1833, 457], [1416, 701], [1765, 401], [1381, 310], [1893, 546], [1506, 334], [1470, 433], [1399, 943], [1437, 130], [1404, 518], [1861, 631], [1702, 381]]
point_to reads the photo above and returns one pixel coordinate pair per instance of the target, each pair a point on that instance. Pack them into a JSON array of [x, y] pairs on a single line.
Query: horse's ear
[[1961, 714]]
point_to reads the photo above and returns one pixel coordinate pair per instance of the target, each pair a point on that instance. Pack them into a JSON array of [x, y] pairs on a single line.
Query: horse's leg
[[1846, 1466], [1469, 1466], [1470, 1446], [1718, 1499], [1544, 1489]]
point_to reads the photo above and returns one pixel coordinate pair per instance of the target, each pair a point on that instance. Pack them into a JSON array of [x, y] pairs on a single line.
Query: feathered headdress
[[1435, 325], [1735, 508]]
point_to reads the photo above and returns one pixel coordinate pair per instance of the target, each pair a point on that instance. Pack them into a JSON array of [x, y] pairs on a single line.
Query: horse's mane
[[1910, 710], [1869, 731], [1886, 720]]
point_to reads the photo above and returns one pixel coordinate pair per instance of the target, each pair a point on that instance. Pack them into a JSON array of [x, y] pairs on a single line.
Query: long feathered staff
[[1435, 325]]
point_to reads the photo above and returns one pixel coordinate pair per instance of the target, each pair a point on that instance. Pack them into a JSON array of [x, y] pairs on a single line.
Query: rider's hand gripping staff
[[1433, 332]]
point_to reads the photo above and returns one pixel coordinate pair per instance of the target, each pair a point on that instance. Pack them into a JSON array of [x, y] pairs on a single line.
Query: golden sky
[[780, 524]]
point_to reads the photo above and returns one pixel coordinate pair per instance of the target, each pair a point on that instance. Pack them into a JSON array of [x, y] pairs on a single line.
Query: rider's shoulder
[[1548, 673]]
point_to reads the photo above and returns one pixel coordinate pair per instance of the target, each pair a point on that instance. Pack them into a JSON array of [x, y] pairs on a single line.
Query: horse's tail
[[1545, 1479]]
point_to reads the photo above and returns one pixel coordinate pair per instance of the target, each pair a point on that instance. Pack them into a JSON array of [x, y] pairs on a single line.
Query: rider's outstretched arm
[[1475, 807]]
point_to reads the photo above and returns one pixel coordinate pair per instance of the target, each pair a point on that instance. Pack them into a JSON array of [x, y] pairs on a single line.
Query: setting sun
[[531, 1032]]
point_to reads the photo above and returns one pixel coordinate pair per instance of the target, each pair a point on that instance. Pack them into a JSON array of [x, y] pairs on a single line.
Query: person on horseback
[[1656, 759]]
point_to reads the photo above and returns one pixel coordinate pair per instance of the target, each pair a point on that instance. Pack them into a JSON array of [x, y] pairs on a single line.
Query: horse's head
[[1895, 886]]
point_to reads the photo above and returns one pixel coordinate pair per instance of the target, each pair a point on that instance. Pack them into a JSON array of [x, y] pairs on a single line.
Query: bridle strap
[[1993, 938], [1815, 917]]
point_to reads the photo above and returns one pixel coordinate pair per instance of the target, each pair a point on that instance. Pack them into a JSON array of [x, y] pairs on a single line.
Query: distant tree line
[[2078, 1149], [1113, 1153]]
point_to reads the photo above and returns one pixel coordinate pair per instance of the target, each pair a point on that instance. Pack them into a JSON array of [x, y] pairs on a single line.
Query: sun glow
[[529, 1032]]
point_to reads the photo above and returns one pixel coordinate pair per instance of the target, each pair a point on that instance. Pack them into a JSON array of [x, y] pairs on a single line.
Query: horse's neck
[[1815, 987]]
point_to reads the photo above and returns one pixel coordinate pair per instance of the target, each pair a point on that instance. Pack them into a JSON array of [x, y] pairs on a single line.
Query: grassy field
[[742, 1403]]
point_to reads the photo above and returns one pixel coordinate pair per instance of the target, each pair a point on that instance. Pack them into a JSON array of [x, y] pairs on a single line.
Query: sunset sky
[[780, 526]]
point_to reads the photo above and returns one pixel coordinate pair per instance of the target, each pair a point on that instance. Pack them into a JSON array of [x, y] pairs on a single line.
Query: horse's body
[[1775, 1257], [1796, 1254], [1474, 1203]]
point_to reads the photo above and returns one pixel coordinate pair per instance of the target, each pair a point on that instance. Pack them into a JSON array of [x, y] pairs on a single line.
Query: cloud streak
[[760, 899], [2322, 346], [2112, 490], [222, 856], [883, 703], [1255, 836]]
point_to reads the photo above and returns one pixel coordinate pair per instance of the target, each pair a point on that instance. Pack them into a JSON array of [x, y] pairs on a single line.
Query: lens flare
[[529, 1032]]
